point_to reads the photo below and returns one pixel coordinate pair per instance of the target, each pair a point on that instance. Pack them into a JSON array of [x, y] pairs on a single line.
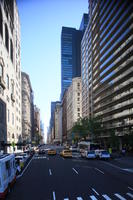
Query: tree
[[94, 127], [80, 129]]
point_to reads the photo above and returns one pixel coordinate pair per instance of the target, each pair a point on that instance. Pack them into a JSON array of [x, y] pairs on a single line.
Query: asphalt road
[[56, 178]]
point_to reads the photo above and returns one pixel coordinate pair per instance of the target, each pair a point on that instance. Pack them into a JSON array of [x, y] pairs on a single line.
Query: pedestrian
[[123, 151], [18, 170]]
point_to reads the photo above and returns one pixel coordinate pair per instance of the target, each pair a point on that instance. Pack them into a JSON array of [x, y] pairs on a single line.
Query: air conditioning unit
[[2, 82]]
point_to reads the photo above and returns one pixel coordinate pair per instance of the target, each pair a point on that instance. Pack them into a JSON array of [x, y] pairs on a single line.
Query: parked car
[[7, 173], [91, 154], [41, 151], [104, 155], [66, 153], [75, 152]]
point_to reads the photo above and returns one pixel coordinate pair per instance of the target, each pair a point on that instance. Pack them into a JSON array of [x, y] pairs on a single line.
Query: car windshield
[[104, 152], [67, 151], [91, 152]]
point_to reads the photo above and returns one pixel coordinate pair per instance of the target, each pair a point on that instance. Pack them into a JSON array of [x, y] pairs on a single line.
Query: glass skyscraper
[[70, 56]]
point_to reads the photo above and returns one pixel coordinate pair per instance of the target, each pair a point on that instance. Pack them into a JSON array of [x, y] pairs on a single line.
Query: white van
[[7, 173]]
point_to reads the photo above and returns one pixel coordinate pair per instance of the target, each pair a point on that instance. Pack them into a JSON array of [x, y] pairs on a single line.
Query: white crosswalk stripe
[[120, 197], [93, 197], [130, 195], [106, 197]]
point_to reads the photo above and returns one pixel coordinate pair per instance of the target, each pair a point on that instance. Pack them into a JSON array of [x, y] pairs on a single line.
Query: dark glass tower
[[84, 22], [70, 56]]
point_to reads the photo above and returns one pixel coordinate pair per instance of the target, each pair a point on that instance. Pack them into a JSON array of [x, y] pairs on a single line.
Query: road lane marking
[[130, 195], [112, 165], [93, 197], [129, 170], [50, 173], [120, 197], [24, 169], [95, 191], [130, 188], [66, 199], [99, 170], [106, 197], [75, 171], [54, 197], [79, 198]]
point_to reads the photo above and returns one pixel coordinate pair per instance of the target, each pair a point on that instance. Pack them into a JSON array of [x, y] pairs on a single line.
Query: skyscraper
[[84, 22], [70, 56], [107, 65]]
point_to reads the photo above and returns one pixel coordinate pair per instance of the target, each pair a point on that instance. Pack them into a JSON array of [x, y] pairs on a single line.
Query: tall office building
[[107, 65], [27, 102], [70, 56], [52, 120], [84, 22], [10, 75]]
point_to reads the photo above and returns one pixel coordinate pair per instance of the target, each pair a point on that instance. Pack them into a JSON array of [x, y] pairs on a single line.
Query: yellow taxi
[[51, 152], [66, 153]]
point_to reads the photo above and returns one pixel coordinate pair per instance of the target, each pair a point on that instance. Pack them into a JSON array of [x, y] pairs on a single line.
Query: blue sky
[[41, 23]]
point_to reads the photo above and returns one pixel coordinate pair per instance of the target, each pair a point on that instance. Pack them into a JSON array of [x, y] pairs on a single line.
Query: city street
[[55, 178]]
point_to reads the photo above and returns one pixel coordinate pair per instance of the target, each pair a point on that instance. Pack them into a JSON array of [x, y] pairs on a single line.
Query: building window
[[1, 23], [7, 81], [1, 70], [13, 136], [11, 50], [12, 87], [6, 37], [78, 109]]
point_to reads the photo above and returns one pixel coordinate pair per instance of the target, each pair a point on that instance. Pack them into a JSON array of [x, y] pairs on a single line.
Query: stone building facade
[[27, 102], [74, 107], [10, 76]]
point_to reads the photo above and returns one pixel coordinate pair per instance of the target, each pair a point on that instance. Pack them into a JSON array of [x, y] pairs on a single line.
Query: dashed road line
[[95, 191], [75, 171], [93, 197], [50, 172], [130, 188], [106, 197], [99, 170], [79, 198], [128, 170], [112, 165], [130, 195], [54, 197], [119, 196]]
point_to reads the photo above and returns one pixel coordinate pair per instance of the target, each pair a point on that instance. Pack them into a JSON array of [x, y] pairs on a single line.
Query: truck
[[7, 173]]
